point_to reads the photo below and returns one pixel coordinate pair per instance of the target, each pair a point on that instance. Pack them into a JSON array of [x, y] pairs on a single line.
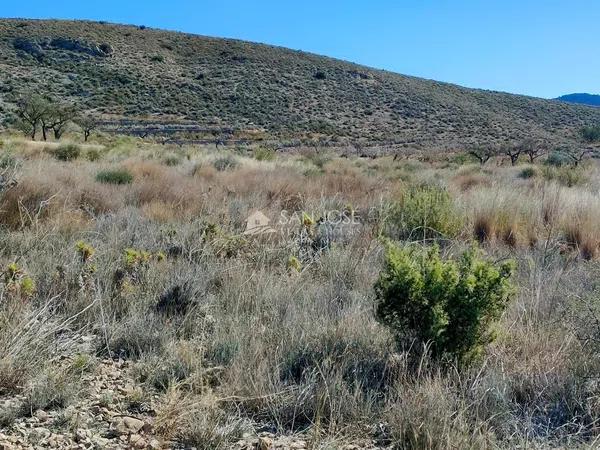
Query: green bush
[[318, 159], [66, 152], [171, 160], [448, 303], [92, 155], [225, 163], [558, 159], [425, 212], [8, 160], [157, 58], [566, 175], [529, 172], [118, 176], [264, 154]]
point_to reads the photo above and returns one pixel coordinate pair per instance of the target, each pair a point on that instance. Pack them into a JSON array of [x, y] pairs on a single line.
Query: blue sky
[[542, 48]]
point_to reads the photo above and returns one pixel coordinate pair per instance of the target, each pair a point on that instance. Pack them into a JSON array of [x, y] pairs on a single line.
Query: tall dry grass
[[247, 341]]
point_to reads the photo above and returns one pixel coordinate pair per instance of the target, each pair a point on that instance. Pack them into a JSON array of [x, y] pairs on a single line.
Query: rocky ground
[[111, 417]]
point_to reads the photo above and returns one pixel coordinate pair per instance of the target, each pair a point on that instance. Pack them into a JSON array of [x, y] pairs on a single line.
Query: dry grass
[[247, 341]]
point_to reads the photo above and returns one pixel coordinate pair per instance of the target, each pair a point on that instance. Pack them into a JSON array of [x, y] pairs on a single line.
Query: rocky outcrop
[[38, 48]]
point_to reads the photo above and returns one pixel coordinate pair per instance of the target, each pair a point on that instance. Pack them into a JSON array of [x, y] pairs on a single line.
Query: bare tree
[[87, 124]]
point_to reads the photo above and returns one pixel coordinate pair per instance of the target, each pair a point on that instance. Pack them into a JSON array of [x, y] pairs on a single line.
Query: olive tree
[[483, 153], [87, 124], [58, 118], [31, 110], [533, 149]]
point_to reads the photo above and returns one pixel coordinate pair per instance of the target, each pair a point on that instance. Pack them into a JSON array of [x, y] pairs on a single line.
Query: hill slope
[[582, 99], [149, 76]]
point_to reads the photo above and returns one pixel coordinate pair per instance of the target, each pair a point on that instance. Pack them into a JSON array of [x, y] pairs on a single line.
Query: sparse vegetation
[[416, 300], [149, 262], [225, 163], [108, 84], [424, 213], [66, 152], [264, 154], [116, 176]]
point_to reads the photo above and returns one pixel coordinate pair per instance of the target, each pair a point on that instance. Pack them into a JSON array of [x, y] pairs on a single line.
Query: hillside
[[582, 99], [144, 80]]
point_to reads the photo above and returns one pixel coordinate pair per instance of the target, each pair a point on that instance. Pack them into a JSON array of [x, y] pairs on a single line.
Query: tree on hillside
[[533, 149], [577, 155], [31, 109], [513, 151], [483, 153], [590, 140], [87, 124], [59, 117]]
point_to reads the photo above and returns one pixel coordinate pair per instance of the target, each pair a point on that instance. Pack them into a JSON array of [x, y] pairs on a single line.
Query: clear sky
[[542, 48]]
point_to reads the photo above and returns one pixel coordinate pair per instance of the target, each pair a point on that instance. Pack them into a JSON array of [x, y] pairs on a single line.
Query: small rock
[[264, 443], [81, 435], [69, 412], [42, 433], [127, 424], [148, 424], [41, 415], [154, 445], [100, 442], [135, 438]]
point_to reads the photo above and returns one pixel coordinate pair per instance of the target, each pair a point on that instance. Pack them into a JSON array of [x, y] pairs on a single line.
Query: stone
[[41, 415], [154, 444], [133, 424], [137, 441], [127, 424], [264, 443], [69, 412], [100, 442], [42, 433], [81, 435], [148, 424]]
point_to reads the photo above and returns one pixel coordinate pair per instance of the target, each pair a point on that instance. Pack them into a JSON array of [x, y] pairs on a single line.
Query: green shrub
[[448, 303], [566, 175], [66, 152], [529, 172], [225, 163], [171, 160], [8, 161], [117, 176], [92, 155], [558, 159], [264, 154], [425, 212], [318, 159]]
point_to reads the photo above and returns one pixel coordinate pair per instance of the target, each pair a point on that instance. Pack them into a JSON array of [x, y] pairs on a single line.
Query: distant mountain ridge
[[151, 82], [581, 99]]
